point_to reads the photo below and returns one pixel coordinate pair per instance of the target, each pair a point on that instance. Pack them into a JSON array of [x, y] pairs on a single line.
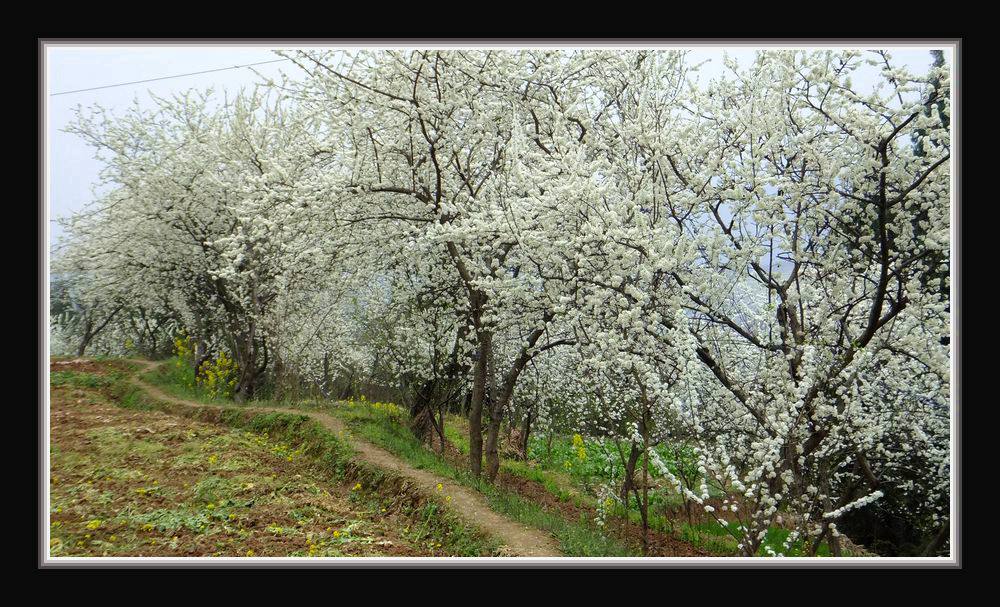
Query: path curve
[[470, 505]]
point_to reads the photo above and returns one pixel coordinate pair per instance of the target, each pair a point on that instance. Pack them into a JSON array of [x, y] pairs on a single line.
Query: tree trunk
[[942, 536], [436, 392], [82, 348], [421, 411], [500, 405], [249, 372], [200, 354], [628, 482], [90, 331], [525, 431], [246, 386], [479, 399], [466, 403], [814, 547], [326, 375], [442, 412], [244, 382], [493, 439], [835, 545], [645, 487]]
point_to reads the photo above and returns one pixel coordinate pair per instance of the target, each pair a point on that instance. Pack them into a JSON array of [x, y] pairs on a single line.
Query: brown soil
[[98, 490], [83, 365], [520, 540]]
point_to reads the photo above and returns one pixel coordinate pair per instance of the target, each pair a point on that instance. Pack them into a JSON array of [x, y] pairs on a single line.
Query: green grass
[[178, 378], [601, 458], [537, 475], [576, 538], [458, 439], [79, 380]]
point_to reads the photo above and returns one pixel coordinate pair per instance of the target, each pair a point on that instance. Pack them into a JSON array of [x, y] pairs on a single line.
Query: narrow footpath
[[520, 539]]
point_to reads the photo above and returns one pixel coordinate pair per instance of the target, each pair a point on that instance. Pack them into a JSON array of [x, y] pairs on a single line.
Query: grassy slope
[[576, 538], [140, 482], [384, 428]]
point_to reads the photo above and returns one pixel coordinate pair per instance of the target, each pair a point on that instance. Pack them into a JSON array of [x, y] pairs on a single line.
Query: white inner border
[[363, 561]]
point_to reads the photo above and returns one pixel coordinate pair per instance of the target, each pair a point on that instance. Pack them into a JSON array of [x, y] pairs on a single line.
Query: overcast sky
[[73, 171]]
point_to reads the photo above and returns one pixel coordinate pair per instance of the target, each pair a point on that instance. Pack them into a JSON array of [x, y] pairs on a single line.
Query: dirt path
[[520, 539]]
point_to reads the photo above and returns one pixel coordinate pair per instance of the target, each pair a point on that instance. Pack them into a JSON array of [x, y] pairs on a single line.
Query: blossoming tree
[[754, 268]]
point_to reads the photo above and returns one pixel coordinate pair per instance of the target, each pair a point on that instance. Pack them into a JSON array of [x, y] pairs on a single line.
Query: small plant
[[183, 349], [218, 376], [578, 447], [214, 378]]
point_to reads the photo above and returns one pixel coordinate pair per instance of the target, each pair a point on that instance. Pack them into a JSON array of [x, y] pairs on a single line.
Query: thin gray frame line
[[952, 562]]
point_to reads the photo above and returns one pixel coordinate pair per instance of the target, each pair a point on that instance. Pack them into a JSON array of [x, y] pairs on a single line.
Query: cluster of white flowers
[[858, 503]]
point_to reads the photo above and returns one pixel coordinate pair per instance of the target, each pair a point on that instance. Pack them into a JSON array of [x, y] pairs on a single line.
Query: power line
[[221, 69]]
